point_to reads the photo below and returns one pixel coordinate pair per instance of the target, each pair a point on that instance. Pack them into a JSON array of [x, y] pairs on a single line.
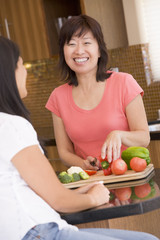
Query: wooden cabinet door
[[6, 23], [26, 27]]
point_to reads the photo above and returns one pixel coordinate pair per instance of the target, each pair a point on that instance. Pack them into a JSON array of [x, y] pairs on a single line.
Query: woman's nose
[[79, 49]]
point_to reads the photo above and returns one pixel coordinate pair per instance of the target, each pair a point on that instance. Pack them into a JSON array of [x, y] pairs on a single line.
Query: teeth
[[80, 59]]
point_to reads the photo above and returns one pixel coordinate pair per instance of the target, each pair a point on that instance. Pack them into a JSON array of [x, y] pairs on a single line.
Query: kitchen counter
[[154, 135], [133, 207]]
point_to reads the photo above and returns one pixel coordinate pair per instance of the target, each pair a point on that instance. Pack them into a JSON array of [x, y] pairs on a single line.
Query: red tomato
[[143, 190], [138, 164], [119, 166], [90, 172], [123, 193]]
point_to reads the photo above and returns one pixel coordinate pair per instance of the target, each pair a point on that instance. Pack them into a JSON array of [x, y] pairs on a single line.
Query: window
[[151, 13]]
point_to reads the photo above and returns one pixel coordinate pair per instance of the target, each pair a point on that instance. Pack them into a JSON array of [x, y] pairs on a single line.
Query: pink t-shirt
[[88, 129]]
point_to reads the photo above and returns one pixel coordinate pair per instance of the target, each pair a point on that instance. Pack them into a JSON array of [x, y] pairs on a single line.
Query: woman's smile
[[81, 60]]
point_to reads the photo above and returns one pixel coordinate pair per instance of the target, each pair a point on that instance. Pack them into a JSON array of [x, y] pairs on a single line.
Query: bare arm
[[37, 172], [65, 147], [137, 136]]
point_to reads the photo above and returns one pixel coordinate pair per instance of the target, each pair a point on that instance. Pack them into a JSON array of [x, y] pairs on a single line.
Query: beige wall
[[109, 13], [134, 21]]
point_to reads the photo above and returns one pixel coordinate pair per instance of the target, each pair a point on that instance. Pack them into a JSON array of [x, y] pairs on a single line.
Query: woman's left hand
[[112, 146]]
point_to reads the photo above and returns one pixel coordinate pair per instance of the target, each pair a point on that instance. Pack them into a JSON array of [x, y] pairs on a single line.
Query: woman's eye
[[71, 44], [87, 43]]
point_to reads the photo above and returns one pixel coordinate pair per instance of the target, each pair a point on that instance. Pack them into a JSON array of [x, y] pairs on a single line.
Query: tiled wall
[[135, 60], [43, 77]]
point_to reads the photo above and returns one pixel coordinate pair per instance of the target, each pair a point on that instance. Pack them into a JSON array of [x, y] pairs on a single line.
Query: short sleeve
[[17, 134], [51, 104], [130, 89]]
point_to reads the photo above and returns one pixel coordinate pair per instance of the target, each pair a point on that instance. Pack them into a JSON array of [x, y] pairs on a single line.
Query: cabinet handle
[[7, 28], [0, 30]]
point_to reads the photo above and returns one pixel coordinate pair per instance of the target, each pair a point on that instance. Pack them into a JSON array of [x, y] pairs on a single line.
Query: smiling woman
[[82, 53], [93, 111]]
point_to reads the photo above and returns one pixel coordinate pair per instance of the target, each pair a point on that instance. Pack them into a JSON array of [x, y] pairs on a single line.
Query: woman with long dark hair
[[97, 112], [31, 195]]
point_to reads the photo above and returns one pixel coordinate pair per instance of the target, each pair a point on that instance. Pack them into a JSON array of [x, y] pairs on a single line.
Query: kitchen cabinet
[[32, 23], [108, 13], [23, 22], [54, 10]]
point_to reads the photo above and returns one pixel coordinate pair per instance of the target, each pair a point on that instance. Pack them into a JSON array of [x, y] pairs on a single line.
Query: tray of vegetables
[[134, 164]]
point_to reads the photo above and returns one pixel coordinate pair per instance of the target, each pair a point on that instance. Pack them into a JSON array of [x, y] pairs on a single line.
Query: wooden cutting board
[[130, 175]]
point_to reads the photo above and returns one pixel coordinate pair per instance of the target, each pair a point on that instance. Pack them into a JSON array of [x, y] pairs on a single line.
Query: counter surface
[[116, 209]]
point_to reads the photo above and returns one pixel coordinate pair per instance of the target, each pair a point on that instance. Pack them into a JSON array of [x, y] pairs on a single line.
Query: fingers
[[91, 163], [111, 151], [103, 150], [112, 147], [116, 151]]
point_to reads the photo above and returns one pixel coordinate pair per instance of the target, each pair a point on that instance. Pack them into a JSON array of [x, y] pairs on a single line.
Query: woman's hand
[[87, 187], [112, 146], [91, 163], [100, 194], [97, 191]]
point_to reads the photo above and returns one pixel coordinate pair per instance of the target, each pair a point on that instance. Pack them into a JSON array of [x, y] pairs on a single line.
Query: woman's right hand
[[90, 163], [100, 194]]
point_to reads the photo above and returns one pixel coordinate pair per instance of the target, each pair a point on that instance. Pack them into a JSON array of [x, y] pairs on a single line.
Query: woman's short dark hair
[[80, 25], [10, 100]]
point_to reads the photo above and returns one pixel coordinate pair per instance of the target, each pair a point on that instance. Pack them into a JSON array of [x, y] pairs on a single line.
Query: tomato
[[90, 172], [119, 166], [138, 164], [142, 190], [123, 193]]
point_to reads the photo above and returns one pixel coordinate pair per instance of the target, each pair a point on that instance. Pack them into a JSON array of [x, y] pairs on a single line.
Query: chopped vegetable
[[90, 172], [84, 175], [104, 164], [74, 169], [75, 177], [64, 177], [107, 171], [62, 174]]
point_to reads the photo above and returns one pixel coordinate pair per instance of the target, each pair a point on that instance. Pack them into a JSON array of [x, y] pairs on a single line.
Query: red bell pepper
[[106, 166], [107, 171], [90, 172]]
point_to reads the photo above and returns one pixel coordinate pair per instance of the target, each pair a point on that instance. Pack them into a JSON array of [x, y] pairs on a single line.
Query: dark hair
[[10, 100], [80, 25]]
